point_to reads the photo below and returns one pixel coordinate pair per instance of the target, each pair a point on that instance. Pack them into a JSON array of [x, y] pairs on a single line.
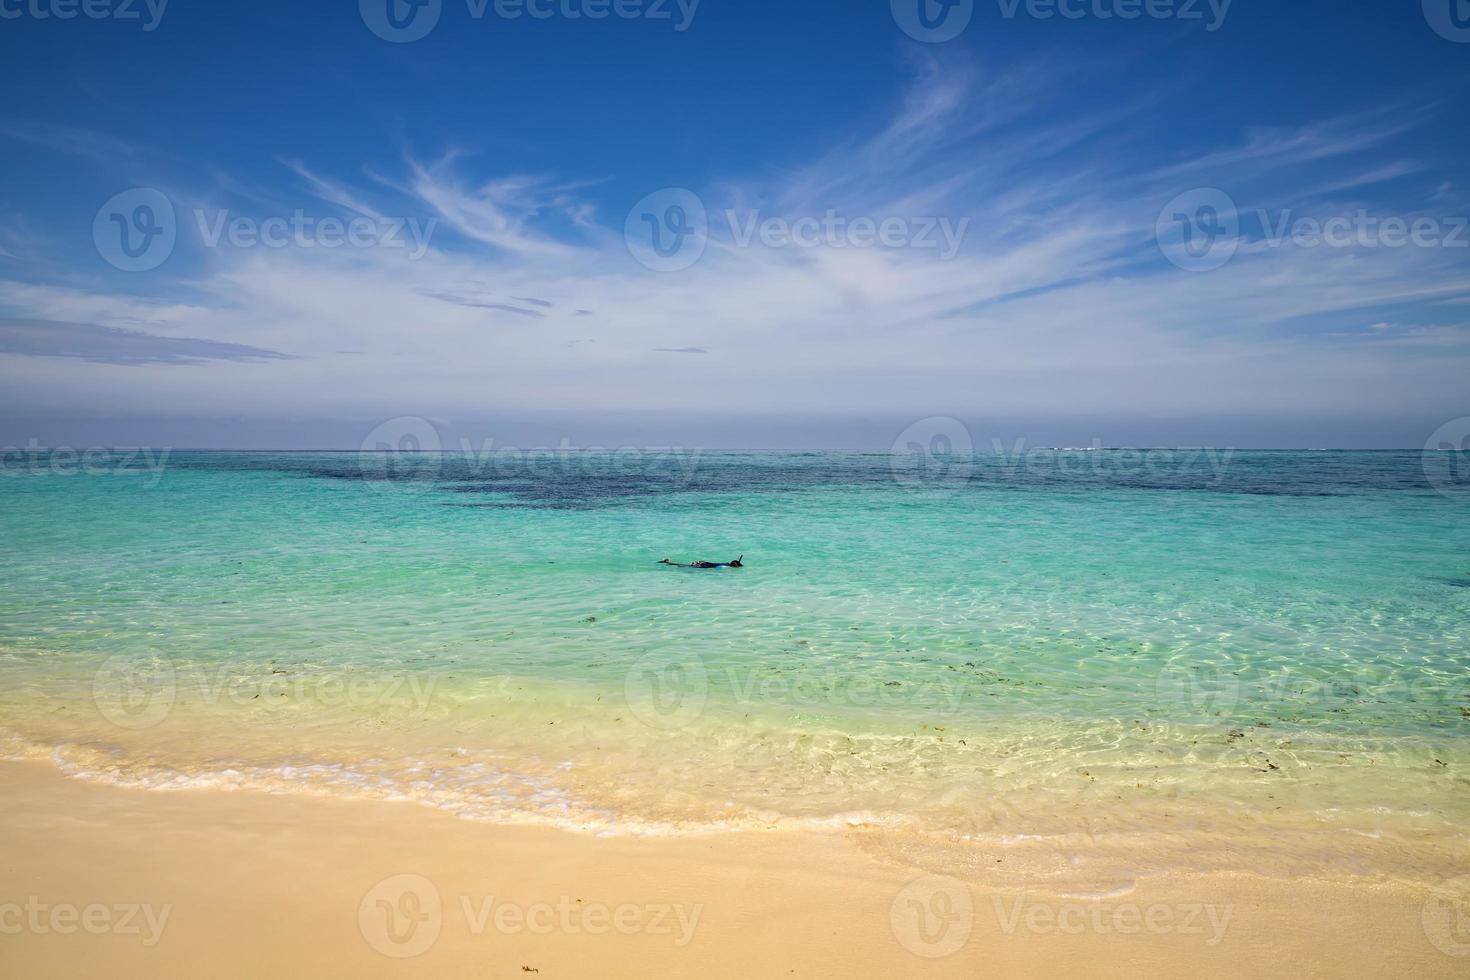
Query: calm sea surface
[[1051, 652]]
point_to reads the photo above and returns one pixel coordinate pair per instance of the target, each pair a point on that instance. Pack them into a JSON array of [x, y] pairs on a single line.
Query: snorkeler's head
[[736, 563]]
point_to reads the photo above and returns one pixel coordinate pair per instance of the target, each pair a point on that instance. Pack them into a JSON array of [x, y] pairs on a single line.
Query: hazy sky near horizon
[[734, 224]]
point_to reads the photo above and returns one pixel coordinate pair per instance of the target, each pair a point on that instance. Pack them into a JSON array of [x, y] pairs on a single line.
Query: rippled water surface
[[1003, 647]]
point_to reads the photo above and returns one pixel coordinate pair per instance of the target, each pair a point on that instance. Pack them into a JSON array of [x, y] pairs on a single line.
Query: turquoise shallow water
[[976, 645]]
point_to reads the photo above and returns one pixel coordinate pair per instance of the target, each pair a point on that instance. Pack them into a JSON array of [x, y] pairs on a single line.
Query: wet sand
[[124, 882]]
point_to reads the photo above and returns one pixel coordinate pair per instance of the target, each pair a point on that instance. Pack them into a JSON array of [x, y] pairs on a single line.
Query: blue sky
[[1034, 176]]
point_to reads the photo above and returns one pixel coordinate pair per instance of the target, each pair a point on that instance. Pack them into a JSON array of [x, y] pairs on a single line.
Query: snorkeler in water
[[737, 563]]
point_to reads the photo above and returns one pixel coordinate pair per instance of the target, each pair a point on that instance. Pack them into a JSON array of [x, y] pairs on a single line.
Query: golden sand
[[102, 880]]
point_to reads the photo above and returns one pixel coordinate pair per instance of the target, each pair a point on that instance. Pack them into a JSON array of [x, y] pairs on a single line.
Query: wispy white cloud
[[1056, 299], [75, 141], [1264, 149], [499, 212], [333, 192]]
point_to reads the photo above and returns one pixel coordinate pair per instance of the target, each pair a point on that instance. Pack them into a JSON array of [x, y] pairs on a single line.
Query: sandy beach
[[203, 883]]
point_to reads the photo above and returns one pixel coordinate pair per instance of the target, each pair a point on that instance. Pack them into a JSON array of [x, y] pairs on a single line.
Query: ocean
[[1075, 666]]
